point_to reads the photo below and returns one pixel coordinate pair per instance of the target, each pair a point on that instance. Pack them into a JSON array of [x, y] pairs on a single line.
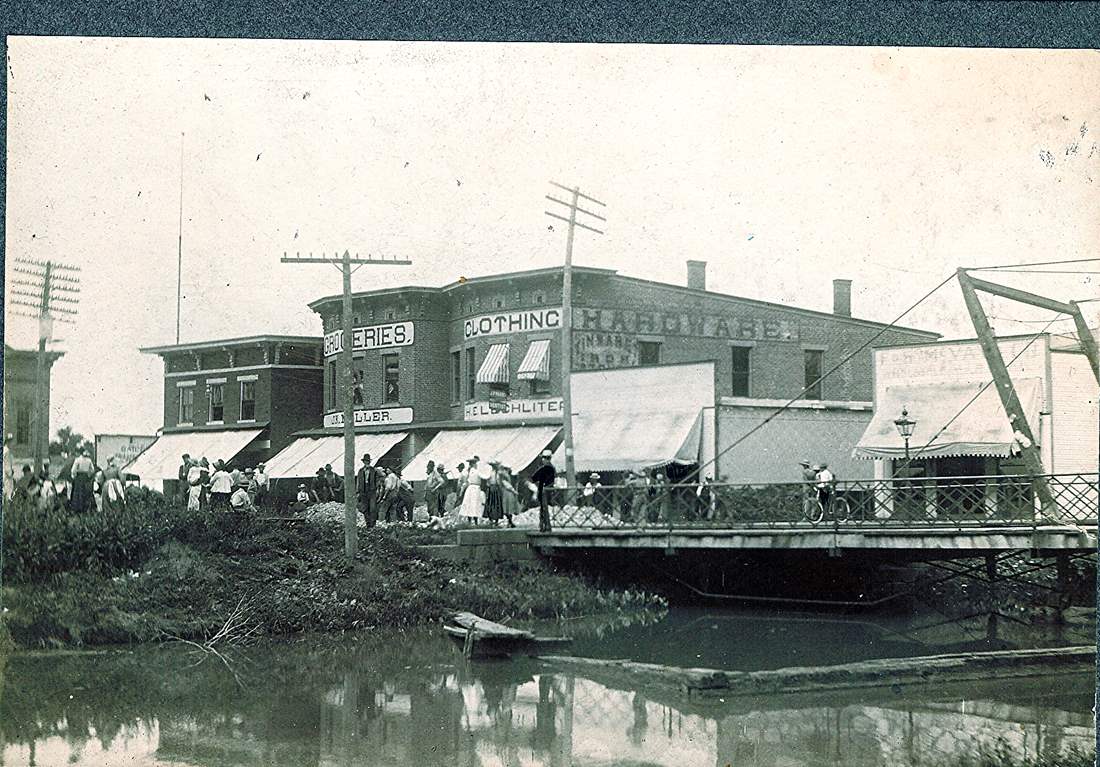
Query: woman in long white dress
[[473, 499]]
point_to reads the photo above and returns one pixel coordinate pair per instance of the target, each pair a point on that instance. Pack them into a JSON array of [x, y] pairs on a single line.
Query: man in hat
[[825, 483], [639, 496], [591, 488], [259, 477], [366, 491], [435, 495], [240, 500], [809, 478], [320, 487], [301, 501], [181, 476], [544, 477]]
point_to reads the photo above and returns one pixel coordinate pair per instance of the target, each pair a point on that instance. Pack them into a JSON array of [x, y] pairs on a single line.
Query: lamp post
[[905, 427]]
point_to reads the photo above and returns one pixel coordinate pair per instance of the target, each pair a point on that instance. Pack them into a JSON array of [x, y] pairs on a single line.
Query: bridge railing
[[985, 501]]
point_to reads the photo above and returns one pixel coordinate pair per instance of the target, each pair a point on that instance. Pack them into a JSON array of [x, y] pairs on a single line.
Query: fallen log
[[884, 672], [481, 638]]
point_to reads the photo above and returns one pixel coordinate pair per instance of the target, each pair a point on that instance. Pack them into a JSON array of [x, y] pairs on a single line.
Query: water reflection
[[407, 699]]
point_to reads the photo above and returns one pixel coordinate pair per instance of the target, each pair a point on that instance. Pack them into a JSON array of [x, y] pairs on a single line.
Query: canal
[[409, 699]]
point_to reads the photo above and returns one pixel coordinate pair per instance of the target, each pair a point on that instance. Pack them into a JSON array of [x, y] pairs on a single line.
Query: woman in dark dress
[[494, 500]]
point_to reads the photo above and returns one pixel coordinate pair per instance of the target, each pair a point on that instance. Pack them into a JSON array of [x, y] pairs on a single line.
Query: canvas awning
[[980, 429], [514, 446], [161, 460], [305, 455], [536, 362], [494, 369], [633, 441]]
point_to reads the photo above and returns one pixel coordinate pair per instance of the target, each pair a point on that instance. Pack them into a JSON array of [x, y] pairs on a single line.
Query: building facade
[[237, 400], [19, 394]]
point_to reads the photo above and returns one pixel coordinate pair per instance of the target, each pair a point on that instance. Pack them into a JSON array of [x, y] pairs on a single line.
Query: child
[[302, 500]]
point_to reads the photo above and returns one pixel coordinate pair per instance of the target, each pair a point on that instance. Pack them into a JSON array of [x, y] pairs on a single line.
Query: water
[[408, 699]]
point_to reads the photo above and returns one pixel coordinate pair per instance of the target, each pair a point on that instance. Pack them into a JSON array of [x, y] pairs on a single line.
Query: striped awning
[[536, 363], [494, 370]]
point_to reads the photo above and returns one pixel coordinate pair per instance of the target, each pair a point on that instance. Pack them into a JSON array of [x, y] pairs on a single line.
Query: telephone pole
[[344, 264], [567, 312], [47, 291]]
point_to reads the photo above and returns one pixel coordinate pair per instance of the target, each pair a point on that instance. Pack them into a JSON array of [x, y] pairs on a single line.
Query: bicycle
[[836, 505]]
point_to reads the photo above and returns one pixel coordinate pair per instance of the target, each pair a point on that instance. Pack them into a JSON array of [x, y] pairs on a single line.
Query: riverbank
[[225, 581]]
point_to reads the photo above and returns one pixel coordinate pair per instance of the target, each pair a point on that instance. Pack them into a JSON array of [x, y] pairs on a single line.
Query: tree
[[69, 442]]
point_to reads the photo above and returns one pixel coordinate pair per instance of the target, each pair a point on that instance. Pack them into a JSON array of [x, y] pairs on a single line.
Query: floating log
[[482, 638], [885, 672]]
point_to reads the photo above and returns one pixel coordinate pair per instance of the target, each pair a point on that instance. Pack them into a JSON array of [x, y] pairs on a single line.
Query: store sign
[[120, 448], [388, 336], [377, 417], [513, 410], [677, 323], [511, 322]]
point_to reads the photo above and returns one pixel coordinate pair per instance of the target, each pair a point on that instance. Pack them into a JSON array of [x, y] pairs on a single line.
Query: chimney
[[697, 275], [842, 298]]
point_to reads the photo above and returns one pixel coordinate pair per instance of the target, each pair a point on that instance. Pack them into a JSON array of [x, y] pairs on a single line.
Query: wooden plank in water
[[486, 628]]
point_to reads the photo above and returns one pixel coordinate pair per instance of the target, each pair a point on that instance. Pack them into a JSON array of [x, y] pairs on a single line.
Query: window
[[217, 401], [649, 353], [740, 377], [539, 386], [332, 385], [187, 405], [456, 376], [471, 373], [812, 359], [248, 401], [391, 372], [23, 421]]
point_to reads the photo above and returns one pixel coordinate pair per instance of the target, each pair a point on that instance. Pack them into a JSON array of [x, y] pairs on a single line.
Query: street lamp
[[905, 427]]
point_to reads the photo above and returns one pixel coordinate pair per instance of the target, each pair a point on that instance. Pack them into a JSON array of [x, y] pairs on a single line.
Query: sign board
[[388, 336], [513, 410], [526, 321], [376, 417], [122, 448]]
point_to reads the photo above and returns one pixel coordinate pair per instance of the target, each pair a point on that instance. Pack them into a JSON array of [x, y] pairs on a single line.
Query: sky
[[782, 167]]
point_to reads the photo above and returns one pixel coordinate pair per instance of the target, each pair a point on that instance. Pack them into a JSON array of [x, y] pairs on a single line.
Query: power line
[[1041, 271], [1032, 263], [821, 378]]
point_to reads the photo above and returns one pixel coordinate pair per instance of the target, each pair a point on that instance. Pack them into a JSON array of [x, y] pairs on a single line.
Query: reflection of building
[[19, 394], [485, 353], [237, 400]]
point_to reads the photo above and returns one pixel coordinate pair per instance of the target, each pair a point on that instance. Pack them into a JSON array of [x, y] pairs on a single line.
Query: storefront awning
[[980, 429], [631, 441], [494, 369], [514, 446], [161, 460], [536, 362], [305, 455]]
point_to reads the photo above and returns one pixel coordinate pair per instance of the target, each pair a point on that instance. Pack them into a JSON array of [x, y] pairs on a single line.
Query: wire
[[986, 385], [785, 407], [1033, 263], [1041, 271]]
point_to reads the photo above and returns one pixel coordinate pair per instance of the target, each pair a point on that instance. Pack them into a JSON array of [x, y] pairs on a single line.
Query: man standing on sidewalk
[[544, 477], [366, 491]]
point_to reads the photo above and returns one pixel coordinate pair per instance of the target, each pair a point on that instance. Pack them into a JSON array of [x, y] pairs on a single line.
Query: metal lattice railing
[[988, 501]]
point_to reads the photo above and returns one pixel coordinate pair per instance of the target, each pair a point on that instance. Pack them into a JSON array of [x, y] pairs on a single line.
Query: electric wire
[[1032, 263]]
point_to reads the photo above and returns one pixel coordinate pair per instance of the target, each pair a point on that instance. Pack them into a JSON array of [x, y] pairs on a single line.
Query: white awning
[[536, 362], [161, 460], [514, 446], [494, 370], [305, 455], [629, 442], [980, 428]]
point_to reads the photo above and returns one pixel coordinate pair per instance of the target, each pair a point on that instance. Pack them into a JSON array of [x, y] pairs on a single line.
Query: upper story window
[[186, 405], [471, 373], [217, 402], [740, 375], [649, 352], [813, 364], [332, 385], [391, 374], [456, 376], [248, 401]]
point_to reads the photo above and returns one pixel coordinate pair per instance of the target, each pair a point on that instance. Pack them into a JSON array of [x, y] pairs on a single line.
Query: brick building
[[485, 354], [19, 394], [237, 399]]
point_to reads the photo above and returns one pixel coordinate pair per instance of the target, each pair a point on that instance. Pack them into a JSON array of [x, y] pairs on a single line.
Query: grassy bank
[[158, 573]]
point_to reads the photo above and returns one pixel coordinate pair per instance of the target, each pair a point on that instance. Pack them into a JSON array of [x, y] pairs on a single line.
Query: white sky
[[782, 167]]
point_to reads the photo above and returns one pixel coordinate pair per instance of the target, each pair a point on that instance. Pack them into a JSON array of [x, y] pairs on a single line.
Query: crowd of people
[[79, 487], [203, 486]]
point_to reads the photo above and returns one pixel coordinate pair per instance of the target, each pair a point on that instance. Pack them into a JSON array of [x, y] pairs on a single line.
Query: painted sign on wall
[[513, 410], [526, 321], [121, 448], [677, 323], [375, 417], [388, 336], [604, 350]]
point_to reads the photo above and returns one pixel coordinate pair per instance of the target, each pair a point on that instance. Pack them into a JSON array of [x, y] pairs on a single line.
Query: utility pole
[[347, 332], [567, 313], [179, 250], [49, 289]]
